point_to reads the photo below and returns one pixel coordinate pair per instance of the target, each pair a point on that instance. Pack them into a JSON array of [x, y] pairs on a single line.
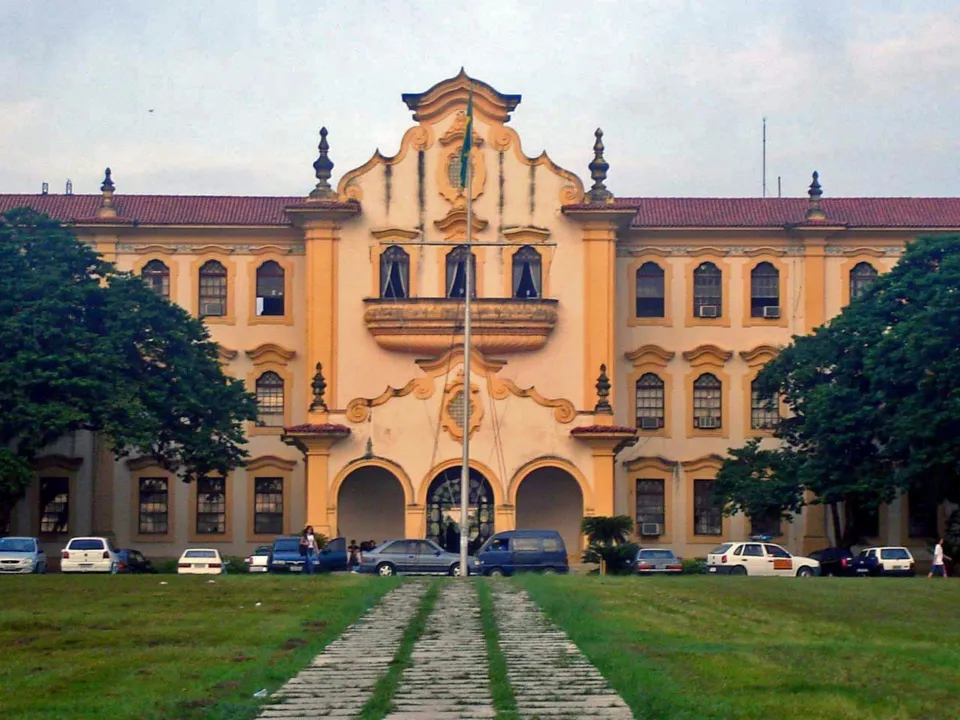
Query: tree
[[608, 542], [86, 347], [872, 397]]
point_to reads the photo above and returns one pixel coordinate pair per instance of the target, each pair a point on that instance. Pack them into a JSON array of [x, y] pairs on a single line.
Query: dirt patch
[[195, 704], [101, 627], [241, 658], [24, 640], [315, 626], [293, 644], [226, 686], [144, 671]]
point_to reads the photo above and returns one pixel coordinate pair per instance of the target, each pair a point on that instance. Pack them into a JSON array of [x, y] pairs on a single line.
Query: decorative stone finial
[[107, 182], [369, 452], [324, 169], [319, 386], [603, 392], [598, 171], [106, 208], [814, 211]]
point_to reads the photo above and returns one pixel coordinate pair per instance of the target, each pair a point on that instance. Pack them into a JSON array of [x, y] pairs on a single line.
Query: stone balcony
[[430, 326]]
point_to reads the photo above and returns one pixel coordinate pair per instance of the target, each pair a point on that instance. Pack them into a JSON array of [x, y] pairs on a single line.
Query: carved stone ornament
[[319, 386], [603, 392], [454, 401], [457, 130]]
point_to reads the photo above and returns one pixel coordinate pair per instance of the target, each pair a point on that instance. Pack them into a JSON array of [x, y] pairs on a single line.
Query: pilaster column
[[504, 518], [605, 442], [315, 441], [814, 283], [415, 521]]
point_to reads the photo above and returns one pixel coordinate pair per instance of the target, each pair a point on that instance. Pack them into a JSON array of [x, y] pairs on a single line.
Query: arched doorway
[[443, 510], [549, 498], [370, 505]]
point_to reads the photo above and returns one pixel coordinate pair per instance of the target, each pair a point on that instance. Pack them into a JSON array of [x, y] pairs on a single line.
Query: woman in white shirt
[[308, 549]]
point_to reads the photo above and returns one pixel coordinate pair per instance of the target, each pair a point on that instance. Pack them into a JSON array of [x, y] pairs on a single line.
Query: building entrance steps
[[550, 677], [448, 677], [340, 680]]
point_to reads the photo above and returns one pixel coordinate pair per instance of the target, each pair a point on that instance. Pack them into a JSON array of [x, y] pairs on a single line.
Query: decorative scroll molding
[[198, 249], [270, 461], [358, 409], [226, 354], [454, 224], [416, 138], [706, 462], [650, 462], [270, 353], [760, 355], [707, 355], [57, 462], [563, 410], [458, 129], [526, 235], [451, 414], [650, 355]]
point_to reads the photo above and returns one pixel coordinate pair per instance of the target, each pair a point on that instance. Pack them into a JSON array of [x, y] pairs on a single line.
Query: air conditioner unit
[[707, 311], [650, 529], [771, 311], [649, 423], [212, 309], [708, 423]]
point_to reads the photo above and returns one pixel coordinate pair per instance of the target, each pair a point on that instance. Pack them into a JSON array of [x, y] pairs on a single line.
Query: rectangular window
[[54, 505], [268, 506], [650, 502], [707, 517], [211, 506], [154, 507], [922, 508], [526, 545], [764, 410]]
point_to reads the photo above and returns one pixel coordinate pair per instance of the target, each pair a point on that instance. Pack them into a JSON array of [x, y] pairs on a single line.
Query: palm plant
[[609, 543]]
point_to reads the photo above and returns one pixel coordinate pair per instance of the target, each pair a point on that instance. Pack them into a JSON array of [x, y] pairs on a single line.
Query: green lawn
[[129, 647], [767, 648]]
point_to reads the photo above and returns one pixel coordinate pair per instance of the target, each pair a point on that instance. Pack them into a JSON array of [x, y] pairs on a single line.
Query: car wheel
[[454, 570], [385, 570], [113, 568], [804, 572], [495, 572], [739, 570], [549, 571]]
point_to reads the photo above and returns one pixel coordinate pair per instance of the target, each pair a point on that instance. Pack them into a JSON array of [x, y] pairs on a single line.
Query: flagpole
[[468, 291]]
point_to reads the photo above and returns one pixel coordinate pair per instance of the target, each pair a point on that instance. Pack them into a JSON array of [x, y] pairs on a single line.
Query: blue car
[[411, 557], [285, 555], [516, 551]]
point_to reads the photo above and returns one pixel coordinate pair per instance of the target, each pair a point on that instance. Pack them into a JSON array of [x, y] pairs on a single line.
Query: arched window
[[651, 296], [650, 402], [394, 272], [269, 393], [764, 409], [157, 277], [764, 290], [861, 277], [707, 291], [457, 275], [213, 289], [270, 287], [707, 403], [527, 273]]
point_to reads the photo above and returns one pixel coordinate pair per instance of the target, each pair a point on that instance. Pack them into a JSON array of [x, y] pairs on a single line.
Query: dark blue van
[[515, 551]]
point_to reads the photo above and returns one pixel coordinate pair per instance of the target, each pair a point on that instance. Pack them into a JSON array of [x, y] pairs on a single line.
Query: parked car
[[893, 561], [22, 555], [835, 561], [200, 561], [285, 555], [259, 560], [133, 561], [759, 558], [418, 557], [515, 551], [651, 561], [89, 554], [333, 555]]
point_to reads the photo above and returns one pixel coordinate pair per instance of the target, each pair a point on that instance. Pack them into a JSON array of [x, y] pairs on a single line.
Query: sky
[[226, 97]]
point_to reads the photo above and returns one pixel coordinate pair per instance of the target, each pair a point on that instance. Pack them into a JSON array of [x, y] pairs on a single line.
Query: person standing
[[356, 555], [308, 549], [939, 569]]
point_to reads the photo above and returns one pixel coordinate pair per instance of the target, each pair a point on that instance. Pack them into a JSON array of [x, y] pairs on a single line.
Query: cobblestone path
[[550, 677], [448, 678], [340, 680]]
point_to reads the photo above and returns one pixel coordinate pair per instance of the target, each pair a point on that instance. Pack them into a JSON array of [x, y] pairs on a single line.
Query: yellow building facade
[[615, 340]]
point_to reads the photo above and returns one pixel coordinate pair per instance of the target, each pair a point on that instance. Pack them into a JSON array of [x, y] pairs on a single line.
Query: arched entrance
[[370, 505], [443, 510], [549, 498]]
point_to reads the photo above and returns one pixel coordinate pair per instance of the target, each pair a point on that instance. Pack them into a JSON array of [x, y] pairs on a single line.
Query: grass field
[[761, 648], [129, 647]]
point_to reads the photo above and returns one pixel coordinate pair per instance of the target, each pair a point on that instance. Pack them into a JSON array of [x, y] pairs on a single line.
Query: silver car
[[21, 555], [412, 557]]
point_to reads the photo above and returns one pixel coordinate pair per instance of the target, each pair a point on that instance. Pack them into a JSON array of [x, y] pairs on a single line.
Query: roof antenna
[[778, 187], [764, 156], [44, 188], [69, 190]]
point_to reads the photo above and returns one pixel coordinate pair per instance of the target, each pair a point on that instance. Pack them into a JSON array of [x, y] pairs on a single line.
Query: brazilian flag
[[467, 143]]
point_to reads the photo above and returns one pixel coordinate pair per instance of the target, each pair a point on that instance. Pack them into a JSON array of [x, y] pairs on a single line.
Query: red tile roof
[[778, 212], [651, 212]]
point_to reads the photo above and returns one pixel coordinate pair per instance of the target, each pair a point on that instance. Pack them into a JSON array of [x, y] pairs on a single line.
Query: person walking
[[356, 555], [939, 569], [308, 549]]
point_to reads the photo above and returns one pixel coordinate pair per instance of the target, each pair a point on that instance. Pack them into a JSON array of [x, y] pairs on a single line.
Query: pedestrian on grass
[[308, 549], [356, 555], [939, 569]]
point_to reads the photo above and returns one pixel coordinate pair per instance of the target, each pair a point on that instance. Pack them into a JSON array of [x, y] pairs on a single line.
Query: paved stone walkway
[[448, 677], [340, 680], [550, 677]]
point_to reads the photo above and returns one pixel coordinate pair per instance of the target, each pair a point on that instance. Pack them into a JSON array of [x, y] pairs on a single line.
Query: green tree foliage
[[873, 398], [608, 542], [83, 346]]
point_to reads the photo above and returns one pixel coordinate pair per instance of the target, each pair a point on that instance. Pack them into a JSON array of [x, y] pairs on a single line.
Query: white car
[[200, 561], [886, 561], [759, 558], [21, 555], [89, 554], [259, 561]]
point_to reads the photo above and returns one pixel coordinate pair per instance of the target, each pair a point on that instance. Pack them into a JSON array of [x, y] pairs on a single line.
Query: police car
[[758, 556]]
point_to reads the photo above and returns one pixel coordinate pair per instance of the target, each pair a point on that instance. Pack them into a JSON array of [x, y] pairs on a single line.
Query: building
[[615, 342]]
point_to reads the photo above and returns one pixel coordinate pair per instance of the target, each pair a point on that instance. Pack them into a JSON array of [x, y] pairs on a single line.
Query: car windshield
[[721, 549], [200, 553], [287, 545], [17, 545], [657, 554], [86, 545], [894, 554], [262, 550]]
